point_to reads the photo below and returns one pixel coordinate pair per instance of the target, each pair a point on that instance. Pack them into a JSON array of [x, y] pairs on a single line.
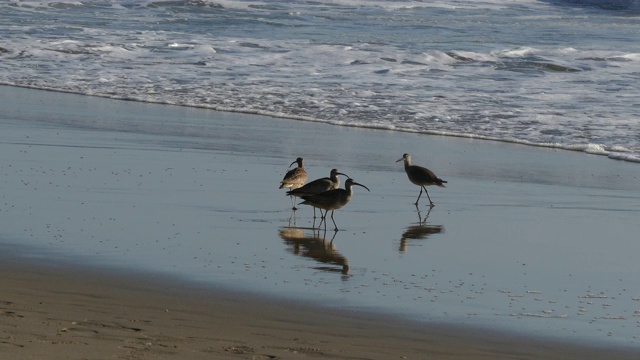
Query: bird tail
[[441, 182]]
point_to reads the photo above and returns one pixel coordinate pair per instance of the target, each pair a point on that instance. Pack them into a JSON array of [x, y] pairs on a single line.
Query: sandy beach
[[54, 312], [137, 230]]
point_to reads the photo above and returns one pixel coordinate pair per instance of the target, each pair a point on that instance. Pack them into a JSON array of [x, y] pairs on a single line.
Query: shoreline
[[154, 189], [587, 149]]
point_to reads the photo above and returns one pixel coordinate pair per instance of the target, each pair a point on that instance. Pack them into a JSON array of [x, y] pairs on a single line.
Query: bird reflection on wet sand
[[294, 226], [315, 246], [419, 230]]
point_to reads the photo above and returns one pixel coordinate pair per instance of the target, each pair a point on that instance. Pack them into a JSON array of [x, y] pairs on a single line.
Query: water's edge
[[592, 149]]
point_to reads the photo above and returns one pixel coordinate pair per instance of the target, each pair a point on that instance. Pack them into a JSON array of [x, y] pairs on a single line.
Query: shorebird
[[317, 186], [294, 178], [332, 199], [421, 176]]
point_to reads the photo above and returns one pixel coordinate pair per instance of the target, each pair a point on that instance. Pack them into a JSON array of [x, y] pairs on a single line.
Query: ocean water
[[562, 74]]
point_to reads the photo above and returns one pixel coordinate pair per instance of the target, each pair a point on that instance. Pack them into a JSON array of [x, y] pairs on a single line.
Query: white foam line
[[594, 149]]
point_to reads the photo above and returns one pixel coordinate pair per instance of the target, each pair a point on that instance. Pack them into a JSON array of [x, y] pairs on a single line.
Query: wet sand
[[93, 189], [57, 312]]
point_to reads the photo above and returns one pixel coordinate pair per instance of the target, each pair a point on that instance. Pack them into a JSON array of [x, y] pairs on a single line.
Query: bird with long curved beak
[[294, 178], [318, 186], [332, 199]]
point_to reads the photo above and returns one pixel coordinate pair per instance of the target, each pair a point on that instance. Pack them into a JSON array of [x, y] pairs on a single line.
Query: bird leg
[[322, 217], [419, 195], [428, 197], [293, 203], [334, 222]]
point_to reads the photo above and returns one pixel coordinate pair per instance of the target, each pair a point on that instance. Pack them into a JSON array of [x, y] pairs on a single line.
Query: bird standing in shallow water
[[421, 176], [294, 178], [332, 199], [318, 186]]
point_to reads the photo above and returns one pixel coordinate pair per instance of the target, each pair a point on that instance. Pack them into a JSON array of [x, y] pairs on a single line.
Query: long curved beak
[[355, 183], [399, 160], [293, 163], [339, 173]]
